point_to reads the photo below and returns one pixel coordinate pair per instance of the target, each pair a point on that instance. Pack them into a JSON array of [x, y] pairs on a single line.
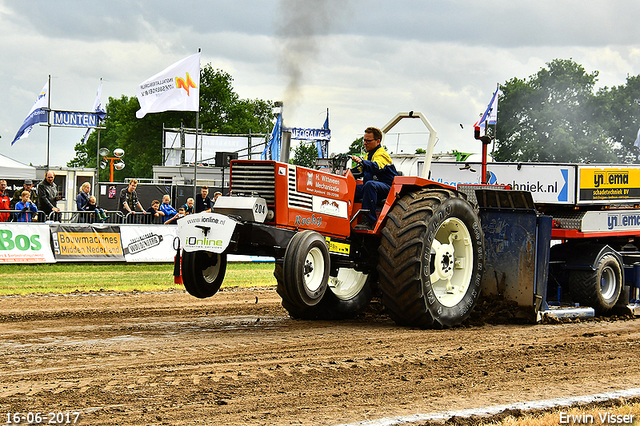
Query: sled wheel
[[305, 269], [431, 256], [347, 294], [601, 288], [203, 272]]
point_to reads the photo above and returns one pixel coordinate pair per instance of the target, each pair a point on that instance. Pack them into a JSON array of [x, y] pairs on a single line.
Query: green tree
[[357, 146], [619, 113], [221, 111], [305, 154], [552, 117]]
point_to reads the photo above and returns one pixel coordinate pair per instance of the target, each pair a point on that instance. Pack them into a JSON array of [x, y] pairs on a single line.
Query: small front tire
[[203, 272], [305, 270]]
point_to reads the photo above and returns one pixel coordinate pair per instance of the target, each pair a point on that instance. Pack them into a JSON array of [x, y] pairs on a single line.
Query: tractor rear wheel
[[203, 272], [431, 256]]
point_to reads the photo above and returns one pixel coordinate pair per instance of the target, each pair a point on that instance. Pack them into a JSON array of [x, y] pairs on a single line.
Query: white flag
[[37, 114], [98, 109], [176, 88]]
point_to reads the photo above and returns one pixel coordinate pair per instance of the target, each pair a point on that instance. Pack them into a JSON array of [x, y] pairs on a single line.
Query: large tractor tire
[[600, 288], [431, 259], [203, 272], [305, 270], [309, 291]]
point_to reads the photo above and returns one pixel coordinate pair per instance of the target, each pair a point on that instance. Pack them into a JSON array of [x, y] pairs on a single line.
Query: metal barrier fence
[[112, 217]]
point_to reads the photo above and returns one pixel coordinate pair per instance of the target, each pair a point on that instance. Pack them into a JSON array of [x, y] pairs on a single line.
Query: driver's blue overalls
[[379, 172]]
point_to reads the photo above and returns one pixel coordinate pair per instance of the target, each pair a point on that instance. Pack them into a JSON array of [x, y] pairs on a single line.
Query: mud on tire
[[431, 256]]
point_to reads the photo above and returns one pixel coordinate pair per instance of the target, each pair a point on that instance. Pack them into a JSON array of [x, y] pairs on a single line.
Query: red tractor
[[424, 255]]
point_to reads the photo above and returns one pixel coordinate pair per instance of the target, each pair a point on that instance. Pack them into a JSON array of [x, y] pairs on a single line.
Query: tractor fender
[[402, 185]]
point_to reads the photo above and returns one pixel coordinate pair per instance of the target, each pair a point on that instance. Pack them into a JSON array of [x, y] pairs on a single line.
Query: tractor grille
[[297, 199], [254, 179]]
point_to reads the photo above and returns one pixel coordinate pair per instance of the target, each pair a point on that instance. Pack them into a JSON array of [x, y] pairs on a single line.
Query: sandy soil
[[237, 359]]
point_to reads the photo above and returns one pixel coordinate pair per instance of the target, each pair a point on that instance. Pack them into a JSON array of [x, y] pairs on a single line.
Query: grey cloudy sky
[[365, 60]]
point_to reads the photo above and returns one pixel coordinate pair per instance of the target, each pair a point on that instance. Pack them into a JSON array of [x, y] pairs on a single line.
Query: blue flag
[[272, 150], [490, 116], [37, 114], [323, 146]]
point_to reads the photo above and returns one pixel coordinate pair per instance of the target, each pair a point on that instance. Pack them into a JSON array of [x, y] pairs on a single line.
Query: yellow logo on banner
[[89, 244], [595, 178]]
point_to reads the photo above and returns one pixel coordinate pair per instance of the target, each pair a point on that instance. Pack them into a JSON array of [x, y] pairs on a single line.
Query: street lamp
[[118, 153]]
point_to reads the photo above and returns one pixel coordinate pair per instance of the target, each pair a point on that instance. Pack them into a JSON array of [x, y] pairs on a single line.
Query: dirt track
[[237, 359]]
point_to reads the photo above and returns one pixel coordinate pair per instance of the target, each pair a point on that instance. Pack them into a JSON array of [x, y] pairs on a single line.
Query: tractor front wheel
[[203, 272], [305, 270]]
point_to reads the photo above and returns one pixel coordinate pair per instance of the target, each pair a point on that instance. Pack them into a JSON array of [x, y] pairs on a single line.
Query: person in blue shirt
[[27, 208], [188, 206], [167, 208]]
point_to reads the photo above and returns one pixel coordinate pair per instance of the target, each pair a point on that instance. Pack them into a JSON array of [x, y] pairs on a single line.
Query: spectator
[[27, 208], [203, 202], [128, 200], [48, 196], [188, 206], [154, 210], [216, 195], [99, 213], [181, 213], [5, 201], [17, 195], [167, 208], [82, 200]]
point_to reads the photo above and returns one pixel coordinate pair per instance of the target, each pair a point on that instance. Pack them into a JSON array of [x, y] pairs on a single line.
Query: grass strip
[[62, 278]]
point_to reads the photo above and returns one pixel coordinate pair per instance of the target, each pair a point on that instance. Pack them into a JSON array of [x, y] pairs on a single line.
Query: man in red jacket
[[5, 201]]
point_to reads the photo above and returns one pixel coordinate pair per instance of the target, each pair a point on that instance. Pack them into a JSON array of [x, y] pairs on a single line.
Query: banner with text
[[149, 243], [73, 242], [25, 243], [74, 119]]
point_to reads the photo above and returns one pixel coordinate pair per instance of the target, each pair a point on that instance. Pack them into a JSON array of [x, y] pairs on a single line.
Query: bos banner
[[73, 242], [25, 243]]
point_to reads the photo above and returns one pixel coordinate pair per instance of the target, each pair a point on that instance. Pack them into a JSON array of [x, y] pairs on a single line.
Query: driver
[[379, 172]]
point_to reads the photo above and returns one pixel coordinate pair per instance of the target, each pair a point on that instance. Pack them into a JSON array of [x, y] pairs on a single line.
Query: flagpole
[[95, 185], [48, 120], [195, 162]]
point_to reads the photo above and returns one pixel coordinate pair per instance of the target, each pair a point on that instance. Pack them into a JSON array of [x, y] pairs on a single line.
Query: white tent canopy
[[12, 169]]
